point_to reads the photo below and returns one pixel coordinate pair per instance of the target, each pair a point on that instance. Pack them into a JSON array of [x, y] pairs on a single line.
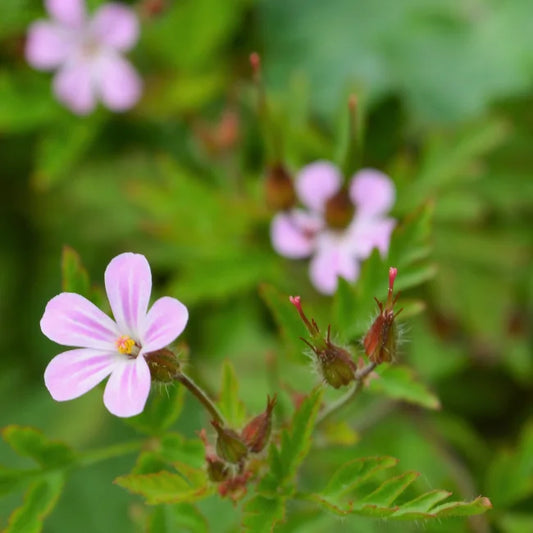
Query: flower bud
[[257, 432], [163, 365], [335, 364], [279, 189], [235, 487], [339, 210], [381, 341], [229, 444], [217, 469]]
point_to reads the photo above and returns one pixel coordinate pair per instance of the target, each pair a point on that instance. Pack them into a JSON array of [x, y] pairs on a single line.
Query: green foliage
[[177, 517], [74, 275], [189, 485], [230, 405], [400, 383]]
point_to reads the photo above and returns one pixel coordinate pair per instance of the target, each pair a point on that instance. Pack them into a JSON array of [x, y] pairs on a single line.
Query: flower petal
[[128, 283], [293, 234], [316, 183], [73, 85], [71, 374], [68, 12], [72, 320], [128, 387], [164, 322], [115, 25], [367, 234], [330, 262], [119, 84], [372, 192], [47, 45]]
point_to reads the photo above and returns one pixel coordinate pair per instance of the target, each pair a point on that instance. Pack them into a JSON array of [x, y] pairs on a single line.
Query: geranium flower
[[87, 54], [111, 348], [336, 252]]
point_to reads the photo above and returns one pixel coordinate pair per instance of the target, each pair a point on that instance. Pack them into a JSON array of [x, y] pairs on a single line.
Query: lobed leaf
[[230, 405], [177, 517], [74, 277], [167, 487], [30, 442], [261, 514], [39, 501]]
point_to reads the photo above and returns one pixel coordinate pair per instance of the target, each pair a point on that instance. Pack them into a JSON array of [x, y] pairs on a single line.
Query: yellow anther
[[125, 344]]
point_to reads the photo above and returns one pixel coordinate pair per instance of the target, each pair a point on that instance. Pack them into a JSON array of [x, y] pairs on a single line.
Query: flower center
[[339, 210], [126, 345], [89, 47]]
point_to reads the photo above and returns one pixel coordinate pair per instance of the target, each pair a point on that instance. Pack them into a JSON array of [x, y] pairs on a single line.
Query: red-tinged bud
[[334, 363], [217, 469], [235, 488], [255, 63], [382, 338], [153, 8], [279, 188], [256, 434], [339, 210], [230, 446], [164, 365]]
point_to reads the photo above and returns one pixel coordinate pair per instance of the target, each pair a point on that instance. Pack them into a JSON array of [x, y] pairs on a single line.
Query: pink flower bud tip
[[255, 61]]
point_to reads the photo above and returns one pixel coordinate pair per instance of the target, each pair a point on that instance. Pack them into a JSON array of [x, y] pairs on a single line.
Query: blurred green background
[[446, 87]]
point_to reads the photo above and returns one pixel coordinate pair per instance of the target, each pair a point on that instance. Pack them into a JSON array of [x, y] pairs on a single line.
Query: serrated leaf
[[177, 517], [167, 487], [350, 475], [287, 319], [261, 514], [477, 506], [421, 504], [295, 444], [74, 277], [230, 405], [39, 501], [163, 408], [30, 442], [400, 383], [11, 479], [389, 490]]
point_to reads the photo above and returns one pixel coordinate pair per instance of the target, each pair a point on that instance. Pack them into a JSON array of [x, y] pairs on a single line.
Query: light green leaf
[[295, 444], [421, 504], [387, 493], [230, 405], [400, 383], [261, 514], [477, 506], [167, 487], [30, 442], [39, 501], [73, 273]]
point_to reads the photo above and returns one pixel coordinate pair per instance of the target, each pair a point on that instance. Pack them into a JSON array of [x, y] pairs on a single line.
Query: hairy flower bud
[[256, 433], [334, 363], [279, 189], [382, 338], [163, 365], [230, 446], [217, 469], [339, 210]]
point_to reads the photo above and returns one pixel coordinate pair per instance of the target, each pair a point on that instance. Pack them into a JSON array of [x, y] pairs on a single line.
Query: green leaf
[[352, 474], [387, 493], [477, 506], [73, 273], [162, 410], [400, 383], [230, 405], [295, 444], [167, 487], [11, 479], [177, 517], [261, 514], [289, 322], [39, 501], [421, 504], [30, 442]]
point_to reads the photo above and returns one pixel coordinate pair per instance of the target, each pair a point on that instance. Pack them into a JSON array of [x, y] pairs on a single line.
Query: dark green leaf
[[73, 273], [261, 514], [230, 405], [177, 517]]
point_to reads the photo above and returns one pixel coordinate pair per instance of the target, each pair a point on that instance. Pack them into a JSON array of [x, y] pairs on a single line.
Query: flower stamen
[[127, 346]]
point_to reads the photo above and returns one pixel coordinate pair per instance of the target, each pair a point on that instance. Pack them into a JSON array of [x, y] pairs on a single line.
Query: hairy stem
[[202, 397], [355, 389]]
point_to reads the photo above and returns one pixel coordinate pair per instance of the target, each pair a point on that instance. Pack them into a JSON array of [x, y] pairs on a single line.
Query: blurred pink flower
[[87, 54], [106, 347], [301, 233]]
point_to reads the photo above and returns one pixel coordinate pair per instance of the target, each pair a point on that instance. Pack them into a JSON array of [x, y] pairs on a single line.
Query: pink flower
[[86, 52], [303, 233], [106, 347]]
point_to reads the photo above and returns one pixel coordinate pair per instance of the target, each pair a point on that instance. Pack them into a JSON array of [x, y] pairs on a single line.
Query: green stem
[[356, 388], [202, 397], [115, 450]]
